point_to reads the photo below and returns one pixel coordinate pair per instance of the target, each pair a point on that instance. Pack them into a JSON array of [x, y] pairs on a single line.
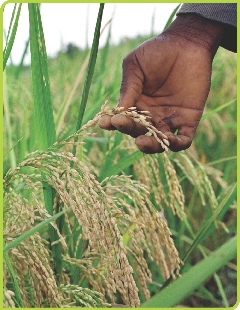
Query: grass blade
[[11, 34], [213, 111], [192, 279], [91, 66], [208, 223], [171, 17], [206, 227], [11, 25], [43, 127], [90, 69]]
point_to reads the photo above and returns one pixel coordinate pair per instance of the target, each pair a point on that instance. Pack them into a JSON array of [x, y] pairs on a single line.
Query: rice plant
[[90, 221]]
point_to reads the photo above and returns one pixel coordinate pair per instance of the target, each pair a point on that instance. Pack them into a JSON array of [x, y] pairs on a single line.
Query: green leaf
[[207, 225], [173, 294], [90, 70], [43, 128], [171, 17], [216, 110], [11, 34], [43, 132]]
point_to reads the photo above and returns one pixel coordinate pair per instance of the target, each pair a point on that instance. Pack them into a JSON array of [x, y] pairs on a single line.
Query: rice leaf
[[43, 128], [11, 25], [216, 110], [171, 17], [173, 294], [205, 227], [103, 57], [11, 33], [90, 69]]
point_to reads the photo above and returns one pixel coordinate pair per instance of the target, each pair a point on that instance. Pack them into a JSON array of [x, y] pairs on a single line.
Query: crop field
[[89, 220]]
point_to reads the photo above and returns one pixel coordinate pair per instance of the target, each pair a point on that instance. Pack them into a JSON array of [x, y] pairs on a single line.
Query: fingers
[[127, 125], [148, 145], [123, 124], [105, 123], [182, 140], [179, 142]]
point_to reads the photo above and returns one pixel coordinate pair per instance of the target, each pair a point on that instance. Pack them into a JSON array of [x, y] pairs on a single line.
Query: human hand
[[169, 76]]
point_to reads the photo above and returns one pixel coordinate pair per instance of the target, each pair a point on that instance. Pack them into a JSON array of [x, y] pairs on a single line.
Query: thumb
[[132, 81]]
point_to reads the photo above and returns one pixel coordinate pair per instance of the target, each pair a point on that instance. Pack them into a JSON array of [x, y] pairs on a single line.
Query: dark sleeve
[[225, 13]]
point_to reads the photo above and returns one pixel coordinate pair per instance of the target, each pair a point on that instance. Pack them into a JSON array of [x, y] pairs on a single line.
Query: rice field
[[89, 220]]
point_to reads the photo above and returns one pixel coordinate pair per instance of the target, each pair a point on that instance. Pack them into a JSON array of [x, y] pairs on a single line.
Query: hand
[[169, 76]]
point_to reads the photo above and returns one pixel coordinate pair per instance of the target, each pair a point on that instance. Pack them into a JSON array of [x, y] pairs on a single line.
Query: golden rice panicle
[[148, 171], [176, 195], [143, 283], [147, 231], [102, 232], [31, 260], [197, 175], [78, 189]]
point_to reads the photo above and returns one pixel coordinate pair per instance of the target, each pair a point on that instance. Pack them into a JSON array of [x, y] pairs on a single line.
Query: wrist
[[197, 30]]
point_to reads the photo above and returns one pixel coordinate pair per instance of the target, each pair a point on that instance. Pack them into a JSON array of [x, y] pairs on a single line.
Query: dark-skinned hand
[[169, 76]]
